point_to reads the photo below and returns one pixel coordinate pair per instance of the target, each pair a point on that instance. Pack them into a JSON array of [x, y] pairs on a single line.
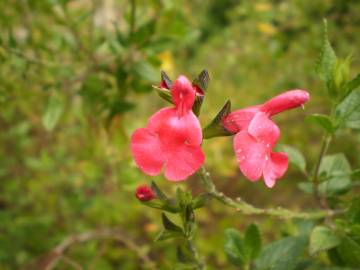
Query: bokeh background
[[75, 81]]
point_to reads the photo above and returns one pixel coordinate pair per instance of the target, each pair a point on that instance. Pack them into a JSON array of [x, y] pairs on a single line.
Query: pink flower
[[144, 193], [172, 138], [257, 134]]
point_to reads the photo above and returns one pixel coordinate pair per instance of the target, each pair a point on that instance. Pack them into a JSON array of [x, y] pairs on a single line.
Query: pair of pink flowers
[[173, 136]]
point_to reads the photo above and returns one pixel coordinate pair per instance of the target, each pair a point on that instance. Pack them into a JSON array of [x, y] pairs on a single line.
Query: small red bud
[[144, 193]]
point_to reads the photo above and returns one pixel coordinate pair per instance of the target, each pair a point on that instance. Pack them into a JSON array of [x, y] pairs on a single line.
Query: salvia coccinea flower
[[172, 138], [144, 193], [257, 134]]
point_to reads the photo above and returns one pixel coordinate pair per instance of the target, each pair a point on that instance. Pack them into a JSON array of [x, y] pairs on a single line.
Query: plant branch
[[248, 209], [315, 180], [50, 260]]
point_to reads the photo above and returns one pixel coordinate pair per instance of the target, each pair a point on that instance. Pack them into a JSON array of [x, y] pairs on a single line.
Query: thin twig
[[246, 208], [50, 260]]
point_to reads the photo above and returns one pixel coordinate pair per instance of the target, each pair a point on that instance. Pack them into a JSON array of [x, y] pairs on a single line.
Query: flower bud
[[144, 193]]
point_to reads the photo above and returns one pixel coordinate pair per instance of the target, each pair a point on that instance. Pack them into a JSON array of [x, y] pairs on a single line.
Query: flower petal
[[183, 162], [275, 168], [264, 130], [285, 101], [250, 155], [183, 94], [239, 119], [146, 150]]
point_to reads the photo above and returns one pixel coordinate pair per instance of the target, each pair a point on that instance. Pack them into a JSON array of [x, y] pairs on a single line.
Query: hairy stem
[[315, 180], [195, 253], [248, 209]]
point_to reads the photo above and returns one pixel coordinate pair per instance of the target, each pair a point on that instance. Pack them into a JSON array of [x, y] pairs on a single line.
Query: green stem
[[315, 181], [248, 209], [132, 16], [195, 253]]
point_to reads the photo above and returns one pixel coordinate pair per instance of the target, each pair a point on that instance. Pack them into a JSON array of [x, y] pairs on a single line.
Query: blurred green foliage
[[73, 81]]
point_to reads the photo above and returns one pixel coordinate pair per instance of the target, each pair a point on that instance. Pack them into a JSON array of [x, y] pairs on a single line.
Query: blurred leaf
[[322, 238], [323, 121], [200, 200], [349, 251], [165, 235], [164, 94], [305, 187], [53, 112], [234, 247], [146, 71], [353, 213], [326, 61], [282, 254], [295, 156], [252, 242]]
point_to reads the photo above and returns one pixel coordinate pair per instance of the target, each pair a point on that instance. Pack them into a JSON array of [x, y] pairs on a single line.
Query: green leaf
[[334, 164], [322, 238], [353, 213], [169, 225], [165, 234], [323, 121], [282, 255], [348, 111], [200, 200], [215, 128], [326, 61], [252, 241], [159, 194], [53, 112], [349, 251], [336, 171], [295, 156], [234, 248], [352, 85]]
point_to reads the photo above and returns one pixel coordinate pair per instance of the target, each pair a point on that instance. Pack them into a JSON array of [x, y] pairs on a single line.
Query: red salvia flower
[[144, 193], [257, 134], [172, 138]]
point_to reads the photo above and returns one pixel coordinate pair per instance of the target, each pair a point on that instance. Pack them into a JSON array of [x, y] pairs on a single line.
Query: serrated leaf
[[252, 241], [323, 121], [53, 112], [283, 254], [348, 111], [234, 247], [322, 238], [336, 170], [295, 156]]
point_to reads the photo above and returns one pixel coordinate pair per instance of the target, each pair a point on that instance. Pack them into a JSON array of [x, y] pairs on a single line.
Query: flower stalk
[[248, 209]]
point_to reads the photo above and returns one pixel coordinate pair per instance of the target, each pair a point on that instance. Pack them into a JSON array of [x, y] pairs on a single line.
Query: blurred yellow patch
[[167, 61], [263, 6], [266, 28], [151, 227]]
